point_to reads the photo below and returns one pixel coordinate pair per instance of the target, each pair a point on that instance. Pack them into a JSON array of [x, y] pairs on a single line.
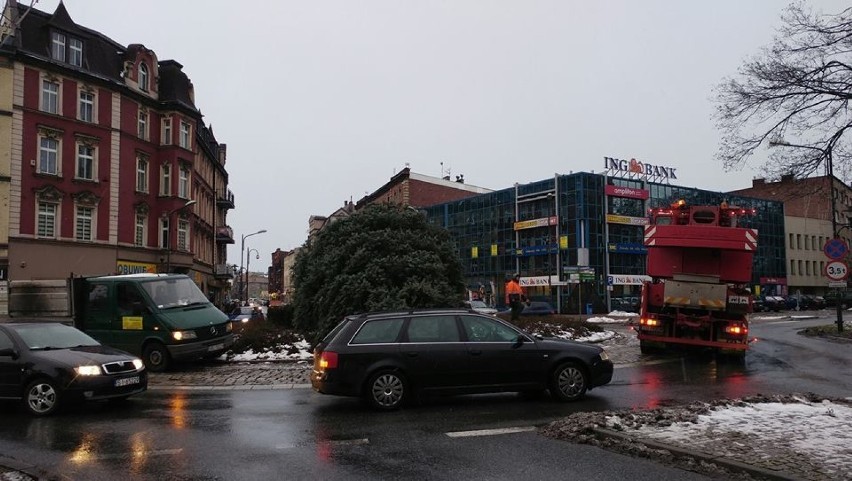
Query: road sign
[[837, 284], [835, 248], [836, 271]]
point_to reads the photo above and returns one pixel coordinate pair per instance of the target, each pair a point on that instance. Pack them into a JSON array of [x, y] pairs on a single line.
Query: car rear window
[[339, 327], [378, 331]]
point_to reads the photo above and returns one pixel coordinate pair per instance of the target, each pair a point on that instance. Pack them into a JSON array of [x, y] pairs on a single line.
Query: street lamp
[[248, 258], [169, 233], [242, 252], [829, 169]]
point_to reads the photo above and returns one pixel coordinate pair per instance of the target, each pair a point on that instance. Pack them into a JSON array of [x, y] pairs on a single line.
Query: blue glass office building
[[577, 239]]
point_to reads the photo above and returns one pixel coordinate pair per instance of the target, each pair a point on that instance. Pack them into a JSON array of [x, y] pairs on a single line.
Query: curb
[[679, 452], [12, 465]]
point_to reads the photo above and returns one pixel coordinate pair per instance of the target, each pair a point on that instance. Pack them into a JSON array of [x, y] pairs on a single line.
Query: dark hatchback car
[[388, 357], [536, 308], [48, 364]]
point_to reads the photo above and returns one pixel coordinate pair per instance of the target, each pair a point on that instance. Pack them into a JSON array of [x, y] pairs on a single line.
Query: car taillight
[[328, 360], [736, 329]]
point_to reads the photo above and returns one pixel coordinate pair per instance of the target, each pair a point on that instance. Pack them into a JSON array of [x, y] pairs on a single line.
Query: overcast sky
[[321, 102]]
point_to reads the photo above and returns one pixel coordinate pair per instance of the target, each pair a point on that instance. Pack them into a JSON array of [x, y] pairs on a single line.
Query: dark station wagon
[[388, 357]]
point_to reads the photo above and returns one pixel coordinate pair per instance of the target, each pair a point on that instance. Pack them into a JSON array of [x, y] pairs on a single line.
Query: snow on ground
[[820, 429], [614, 317]]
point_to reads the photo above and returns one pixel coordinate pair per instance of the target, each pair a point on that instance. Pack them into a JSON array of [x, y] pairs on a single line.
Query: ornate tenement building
[[111, 168]]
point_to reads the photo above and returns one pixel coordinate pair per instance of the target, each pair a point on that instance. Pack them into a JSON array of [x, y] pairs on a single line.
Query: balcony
[[225, 199], [223, 271], [225, 235]]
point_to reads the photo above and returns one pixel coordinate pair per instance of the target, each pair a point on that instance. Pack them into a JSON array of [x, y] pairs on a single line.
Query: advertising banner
[[534, 281], [627, 248], [626, 280]]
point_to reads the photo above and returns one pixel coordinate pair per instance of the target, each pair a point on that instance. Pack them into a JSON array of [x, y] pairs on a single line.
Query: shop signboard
[[635, 168], [626, 220], [628, 192], [627, 248], [128, 267], [626, 280], [530, 224], [534, 281], [536, 250]]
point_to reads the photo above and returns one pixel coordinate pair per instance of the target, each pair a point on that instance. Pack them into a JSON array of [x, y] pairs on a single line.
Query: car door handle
[[411, 354], [475, 353]]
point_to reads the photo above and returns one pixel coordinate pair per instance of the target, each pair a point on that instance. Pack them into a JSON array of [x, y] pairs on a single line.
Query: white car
[[481, 307]]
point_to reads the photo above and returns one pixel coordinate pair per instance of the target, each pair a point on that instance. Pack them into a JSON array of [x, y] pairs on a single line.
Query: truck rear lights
[[736, 330], [328, 360], [649, 322]]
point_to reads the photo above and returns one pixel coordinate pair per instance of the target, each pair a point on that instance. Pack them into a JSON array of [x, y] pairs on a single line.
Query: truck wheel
[[730, 356], [156, 357], [646, 348]]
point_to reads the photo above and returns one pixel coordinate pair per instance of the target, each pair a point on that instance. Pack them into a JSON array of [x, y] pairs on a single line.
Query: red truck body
[[700, 263]]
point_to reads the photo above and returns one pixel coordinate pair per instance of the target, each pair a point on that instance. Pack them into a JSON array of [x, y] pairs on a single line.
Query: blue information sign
[[836, 248]]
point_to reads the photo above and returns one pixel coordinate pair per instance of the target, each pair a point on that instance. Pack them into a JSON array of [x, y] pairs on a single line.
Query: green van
[[159, 317]]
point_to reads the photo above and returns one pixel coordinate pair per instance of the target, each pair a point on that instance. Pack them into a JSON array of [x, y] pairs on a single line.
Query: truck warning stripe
[[751, 240], [649, 234], [686, 301]]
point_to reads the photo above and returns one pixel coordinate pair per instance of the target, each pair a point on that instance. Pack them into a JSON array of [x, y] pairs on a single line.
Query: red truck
[[700, 265]]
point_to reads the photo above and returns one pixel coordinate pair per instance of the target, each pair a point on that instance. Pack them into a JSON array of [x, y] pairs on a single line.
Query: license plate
[[216, 347], [127, 381]]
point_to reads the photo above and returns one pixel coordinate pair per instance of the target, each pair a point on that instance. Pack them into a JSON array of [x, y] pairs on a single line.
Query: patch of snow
[[622, 314], [609, 320]]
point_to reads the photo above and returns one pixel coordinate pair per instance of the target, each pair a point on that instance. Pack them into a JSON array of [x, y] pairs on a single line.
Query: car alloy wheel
[[41, 397], [569, 382], [387, 390]]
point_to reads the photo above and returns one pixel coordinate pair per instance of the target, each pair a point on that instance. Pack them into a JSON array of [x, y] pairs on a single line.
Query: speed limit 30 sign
[[836, 270]]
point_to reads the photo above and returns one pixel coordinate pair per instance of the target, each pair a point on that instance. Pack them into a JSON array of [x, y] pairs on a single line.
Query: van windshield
[[174, 292]]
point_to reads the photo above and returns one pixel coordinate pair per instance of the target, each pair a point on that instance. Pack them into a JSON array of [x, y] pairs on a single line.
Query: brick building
[[807, 227], [111, 168], [418, 190]]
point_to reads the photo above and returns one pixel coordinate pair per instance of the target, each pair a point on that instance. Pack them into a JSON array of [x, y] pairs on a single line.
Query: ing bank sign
[[633, 168]]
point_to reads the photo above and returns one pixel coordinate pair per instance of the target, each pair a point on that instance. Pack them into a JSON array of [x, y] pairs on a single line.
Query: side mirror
[[8, 351]]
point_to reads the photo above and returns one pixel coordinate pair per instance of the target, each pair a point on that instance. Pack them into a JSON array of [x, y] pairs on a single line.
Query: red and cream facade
[[111, 168]]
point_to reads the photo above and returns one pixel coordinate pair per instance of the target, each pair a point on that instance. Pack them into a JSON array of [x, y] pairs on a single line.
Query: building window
[[57, 46], [801, 271], [143, 76], [85, 217], [87, 106], [47, 156], [76, 50], [183, 235], [164, 233], [792, 266], [166, 180], [50, 96], [141, 173], [143, 124], [799, 242], [167, 132], [185, 131], [46, 220], [139, 233], [183, 183], [791, 241], [85, 162]]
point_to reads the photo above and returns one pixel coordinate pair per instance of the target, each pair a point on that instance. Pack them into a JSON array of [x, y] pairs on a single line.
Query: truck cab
[[160, 317]]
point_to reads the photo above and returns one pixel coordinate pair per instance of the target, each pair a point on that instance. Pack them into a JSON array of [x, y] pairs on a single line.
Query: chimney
[[758, 182]]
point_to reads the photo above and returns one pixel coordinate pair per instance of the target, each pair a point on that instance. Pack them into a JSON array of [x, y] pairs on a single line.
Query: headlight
[[604, 356], [183, 335], [88, 370], [138, 364]]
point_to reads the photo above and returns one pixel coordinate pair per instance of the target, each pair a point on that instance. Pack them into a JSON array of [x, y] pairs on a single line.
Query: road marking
[[327, 442], [490, 432]]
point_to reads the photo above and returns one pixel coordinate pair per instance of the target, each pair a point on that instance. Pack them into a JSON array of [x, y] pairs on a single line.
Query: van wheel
[[156, 357]]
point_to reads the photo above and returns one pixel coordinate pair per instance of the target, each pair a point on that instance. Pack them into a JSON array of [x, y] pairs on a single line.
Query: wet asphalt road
[[295, 433]]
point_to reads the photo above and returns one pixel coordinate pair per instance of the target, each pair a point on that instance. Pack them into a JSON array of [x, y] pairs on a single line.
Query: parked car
[[480, 307], [774, 303], [537, 308], [49, 364], [844, 298], [387, 358], [812, 302]]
